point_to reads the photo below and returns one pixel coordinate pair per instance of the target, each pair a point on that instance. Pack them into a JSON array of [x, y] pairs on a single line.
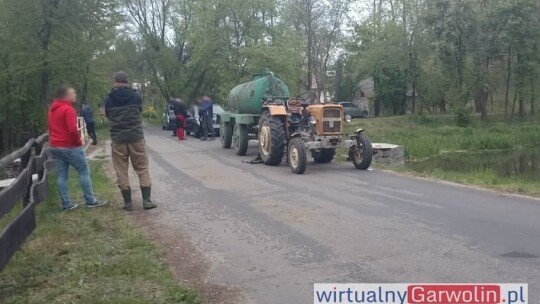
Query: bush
[[150, 114], [423, 119], [463, 118]]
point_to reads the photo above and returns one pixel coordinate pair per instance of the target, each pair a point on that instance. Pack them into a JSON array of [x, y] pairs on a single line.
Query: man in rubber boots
[[123, 107]]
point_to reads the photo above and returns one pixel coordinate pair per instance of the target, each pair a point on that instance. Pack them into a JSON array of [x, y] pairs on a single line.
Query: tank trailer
[[262, 109]]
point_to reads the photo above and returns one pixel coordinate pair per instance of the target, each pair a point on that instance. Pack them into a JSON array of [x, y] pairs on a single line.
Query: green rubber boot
[[128, 205], [147, 202]]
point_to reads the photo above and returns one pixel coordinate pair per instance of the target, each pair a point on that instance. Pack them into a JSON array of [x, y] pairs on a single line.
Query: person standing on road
[[207, 111], [102, 114], [181, 114], [86, 113], [170, 107], [123, 108], [66, 148]]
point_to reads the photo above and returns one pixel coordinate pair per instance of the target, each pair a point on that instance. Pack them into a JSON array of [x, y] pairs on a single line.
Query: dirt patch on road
[[186, 262]]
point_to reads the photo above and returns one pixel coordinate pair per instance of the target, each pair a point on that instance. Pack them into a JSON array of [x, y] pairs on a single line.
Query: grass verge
[[427, 139], [426, 136], [88, 256]]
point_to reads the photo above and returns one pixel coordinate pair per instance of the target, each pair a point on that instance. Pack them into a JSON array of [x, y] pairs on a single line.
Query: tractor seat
[[296, 105]]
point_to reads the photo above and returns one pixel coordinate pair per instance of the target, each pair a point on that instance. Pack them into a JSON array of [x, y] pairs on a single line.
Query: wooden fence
[[29, 187]]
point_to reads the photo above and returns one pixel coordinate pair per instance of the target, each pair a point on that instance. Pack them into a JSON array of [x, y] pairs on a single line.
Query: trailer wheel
[[240, 139], [225, 134], [362, 153], [297, 155], [271, 139], [324, 156]]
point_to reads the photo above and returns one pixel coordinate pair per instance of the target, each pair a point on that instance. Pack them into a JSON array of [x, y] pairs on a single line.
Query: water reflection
[[523, 163]]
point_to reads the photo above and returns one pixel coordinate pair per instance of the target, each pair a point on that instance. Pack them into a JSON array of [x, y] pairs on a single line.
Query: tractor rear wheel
[[362, 153], [271, 139], [225, 134], [297, 155], [324, 156], [240, 139]]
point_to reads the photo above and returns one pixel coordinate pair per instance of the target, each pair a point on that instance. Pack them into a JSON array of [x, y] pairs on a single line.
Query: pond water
[[518, 163]]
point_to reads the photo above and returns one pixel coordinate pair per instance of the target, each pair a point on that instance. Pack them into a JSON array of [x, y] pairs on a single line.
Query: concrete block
[[388, 154]]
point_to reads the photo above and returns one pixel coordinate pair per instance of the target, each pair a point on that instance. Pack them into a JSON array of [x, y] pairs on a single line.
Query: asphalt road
[[271, 234]]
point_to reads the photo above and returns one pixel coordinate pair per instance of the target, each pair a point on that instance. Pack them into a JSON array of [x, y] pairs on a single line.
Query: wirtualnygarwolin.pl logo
[[414, 293]]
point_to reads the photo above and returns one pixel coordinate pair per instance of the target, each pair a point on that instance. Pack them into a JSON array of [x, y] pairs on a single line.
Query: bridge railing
[[29, 187]]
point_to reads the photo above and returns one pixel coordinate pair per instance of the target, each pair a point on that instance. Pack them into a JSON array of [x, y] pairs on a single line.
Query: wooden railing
[[29, 187]]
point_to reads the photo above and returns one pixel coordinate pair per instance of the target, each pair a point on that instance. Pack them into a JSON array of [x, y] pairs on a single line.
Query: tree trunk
[[413, 108], [514, 105], [508, 75], [84, 93], [484, 115], [533, 96], [339, 80], [521, 107], [376, 99], [520, 85], [442, 105]]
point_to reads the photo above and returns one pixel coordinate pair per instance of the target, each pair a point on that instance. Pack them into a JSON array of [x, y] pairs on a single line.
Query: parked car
[[354, 111], [193, 122], [168, 119]]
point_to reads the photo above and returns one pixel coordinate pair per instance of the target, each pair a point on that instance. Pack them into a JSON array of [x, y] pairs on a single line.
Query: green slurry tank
[[262, 99], [248, 98]]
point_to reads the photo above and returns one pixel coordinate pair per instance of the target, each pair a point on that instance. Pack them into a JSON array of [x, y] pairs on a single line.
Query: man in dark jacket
[[66, 148], [181, 114], [123, 107], [86, 113], [207, 115]]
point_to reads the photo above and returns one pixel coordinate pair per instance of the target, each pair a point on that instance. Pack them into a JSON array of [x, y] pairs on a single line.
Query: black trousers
[[91, 129], [207, 126]]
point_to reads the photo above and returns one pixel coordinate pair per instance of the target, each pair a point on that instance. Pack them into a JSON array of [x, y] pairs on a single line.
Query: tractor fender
[[276, 110]]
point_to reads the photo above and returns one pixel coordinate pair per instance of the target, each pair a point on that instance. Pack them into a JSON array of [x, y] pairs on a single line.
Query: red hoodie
[[63, 130]]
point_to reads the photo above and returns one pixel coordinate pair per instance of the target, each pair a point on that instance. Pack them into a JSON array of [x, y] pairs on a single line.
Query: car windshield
[[218, 109], [348, 105]]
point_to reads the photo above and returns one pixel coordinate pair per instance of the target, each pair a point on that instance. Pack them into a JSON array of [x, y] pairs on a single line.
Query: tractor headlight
[[313, 120], [348, 118]]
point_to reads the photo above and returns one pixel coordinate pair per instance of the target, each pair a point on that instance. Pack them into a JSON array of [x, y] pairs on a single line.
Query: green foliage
[[463, 117], [423, 119], [455, 54], [43, 45]]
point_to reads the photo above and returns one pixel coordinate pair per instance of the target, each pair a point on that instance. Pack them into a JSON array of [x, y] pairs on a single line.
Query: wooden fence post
[[25, 159]]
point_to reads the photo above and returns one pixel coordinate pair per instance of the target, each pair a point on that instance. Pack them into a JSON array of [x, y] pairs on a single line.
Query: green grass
[[426, 138], [88, 256], [487, 179]]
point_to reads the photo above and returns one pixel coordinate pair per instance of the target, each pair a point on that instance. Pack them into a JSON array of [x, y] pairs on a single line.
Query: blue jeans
[[75, 157]]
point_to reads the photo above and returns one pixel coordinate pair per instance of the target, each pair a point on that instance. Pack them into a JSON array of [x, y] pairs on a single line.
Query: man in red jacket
[[66, 147]]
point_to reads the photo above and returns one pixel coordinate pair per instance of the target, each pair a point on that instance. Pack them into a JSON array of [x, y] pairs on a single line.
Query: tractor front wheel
[[297, 155], [362, 153]]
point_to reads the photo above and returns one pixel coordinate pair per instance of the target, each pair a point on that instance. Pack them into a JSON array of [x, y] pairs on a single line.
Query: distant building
[[363, 96]]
